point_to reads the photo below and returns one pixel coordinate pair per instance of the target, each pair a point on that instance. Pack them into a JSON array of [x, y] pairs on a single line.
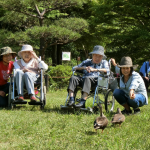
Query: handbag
[[113, 83]]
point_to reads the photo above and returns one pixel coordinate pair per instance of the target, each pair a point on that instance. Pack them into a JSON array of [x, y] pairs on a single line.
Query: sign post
[[66, 56]]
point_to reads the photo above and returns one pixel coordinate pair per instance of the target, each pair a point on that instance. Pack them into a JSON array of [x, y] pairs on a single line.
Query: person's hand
[[34, 55], [2, 93], [11, 75], [132, 94], [87, 69], [90, 69], [147, 78], [25, 70], [113, 61], [41, 65]]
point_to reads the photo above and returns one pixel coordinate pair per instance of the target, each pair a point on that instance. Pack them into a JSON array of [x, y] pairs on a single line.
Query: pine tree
[[41, 23]]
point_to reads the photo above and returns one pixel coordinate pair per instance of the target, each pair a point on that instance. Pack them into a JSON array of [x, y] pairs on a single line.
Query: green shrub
[[71, 63], [59, 76]]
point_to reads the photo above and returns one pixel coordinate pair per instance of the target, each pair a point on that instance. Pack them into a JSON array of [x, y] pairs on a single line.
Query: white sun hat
[[25, 48]]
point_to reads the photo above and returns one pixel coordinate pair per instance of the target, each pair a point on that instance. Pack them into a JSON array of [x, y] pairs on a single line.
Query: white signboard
[[66, 56]]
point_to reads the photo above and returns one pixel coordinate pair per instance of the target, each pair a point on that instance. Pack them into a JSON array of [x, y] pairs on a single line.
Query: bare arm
[[113, 62], [90, 69], [132, 94]]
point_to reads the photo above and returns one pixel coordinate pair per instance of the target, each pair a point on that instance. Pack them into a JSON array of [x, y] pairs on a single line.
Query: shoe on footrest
[[81, 104], [21, 98], [33, 99], [71, 103]]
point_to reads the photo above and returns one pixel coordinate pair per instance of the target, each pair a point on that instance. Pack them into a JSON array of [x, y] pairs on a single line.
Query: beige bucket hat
[[6, 50], [126, 61]]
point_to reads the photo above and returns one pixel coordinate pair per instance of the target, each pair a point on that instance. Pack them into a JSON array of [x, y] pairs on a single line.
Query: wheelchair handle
[[109, 63], [73, 72]]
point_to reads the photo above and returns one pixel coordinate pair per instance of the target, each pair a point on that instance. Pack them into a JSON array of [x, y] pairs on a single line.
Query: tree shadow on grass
[[9, 108], [57, 109], [90, 132]]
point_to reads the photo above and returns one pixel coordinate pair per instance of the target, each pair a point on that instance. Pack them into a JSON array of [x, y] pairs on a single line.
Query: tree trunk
[[54, 55], [59, 55], [42, 50], [42, 42]]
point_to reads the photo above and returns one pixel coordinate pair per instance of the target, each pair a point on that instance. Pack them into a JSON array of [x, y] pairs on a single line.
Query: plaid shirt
[[88, 62]]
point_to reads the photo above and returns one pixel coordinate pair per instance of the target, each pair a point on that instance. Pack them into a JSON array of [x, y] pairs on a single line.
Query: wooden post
[[78, 59]]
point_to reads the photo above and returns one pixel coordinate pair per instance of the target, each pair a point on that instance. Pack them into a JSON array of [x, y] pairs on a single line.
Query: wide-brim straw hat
[[25, 48], [7, 50], [126, 61], [98, 50]]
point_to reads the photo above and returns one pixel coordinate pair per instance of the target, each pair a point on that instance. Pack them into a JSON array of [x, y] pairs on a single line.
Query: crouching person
[[90, 67], [132, 92], [27, 71], [6, 67]]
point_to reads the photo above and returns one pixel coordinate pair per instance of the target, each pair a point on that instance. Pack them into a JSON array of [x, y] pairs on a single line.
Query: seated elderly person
[[132, 92], [27, 71], [90, 67]]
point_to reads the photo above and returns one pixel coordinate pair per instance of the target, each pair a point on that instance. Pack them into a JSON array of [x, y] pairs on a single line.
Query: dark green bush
[[59, 72]]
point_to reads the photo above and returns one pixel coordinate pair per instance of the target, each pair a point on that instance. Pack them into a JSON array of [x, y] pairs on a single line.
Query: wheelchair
[[39, 87], [102, 94]]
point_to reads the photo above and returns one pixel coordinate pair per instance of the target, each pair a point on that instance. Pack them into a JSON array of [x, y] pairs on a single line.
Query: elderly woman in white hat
[[90, 68], [27, 71], [132, 92]]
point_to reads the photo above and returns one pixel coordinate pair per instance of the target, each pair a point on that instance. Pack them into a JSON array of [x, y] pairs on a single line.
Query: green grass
[[30, 128]]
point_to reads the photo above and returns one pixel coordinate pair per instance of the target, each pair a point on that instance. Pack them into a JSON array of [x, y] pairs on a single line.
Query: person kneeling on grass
[[27, 71], [6, 67], [132, 92]]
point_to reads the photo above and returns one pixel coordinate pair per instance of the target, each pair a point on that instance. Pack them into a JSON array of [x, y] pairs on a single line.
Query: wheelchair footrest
[[66, 107], [19, 102], [87, 109], [35, 103]]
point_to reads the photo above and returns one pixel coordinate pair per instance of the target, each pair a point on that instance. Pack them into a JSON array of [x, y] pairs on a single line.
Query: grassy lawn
[[30, 128]]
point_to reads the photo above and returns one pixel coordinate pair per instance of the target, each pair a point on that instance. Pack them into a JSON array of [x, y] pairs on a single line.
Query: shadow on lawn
[[57, 109], [90, 132], [16, 107]]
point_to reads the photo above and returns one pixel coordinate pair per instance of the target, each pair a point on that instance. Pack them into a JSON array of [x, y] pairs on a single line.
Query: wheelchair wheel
[[44, 100], [9, 96], [44, 91], [109, 101], [12, 106]]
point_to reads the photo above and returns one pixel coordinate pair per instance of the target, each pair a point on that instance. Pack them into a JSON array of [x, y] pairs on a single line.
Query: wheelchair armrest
[[78, 72], [104, 75]]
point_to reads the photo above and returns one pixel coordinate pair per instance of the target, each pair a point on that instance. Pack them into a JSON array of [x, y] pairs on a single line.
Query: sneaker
[[20, 98], [81, 104], [136, 111], [71, 103], [33, 99], [126, 112]]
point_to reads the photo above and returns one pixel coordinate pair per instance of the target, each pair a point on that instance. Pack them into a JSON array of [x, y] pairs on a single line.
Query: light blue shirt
[[135, 82]]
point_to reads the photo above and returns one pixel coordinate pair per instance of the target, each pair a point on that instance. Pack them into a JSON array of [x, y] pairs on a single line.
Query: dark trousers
[[85, 83], [146, 83], [4, 100]]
